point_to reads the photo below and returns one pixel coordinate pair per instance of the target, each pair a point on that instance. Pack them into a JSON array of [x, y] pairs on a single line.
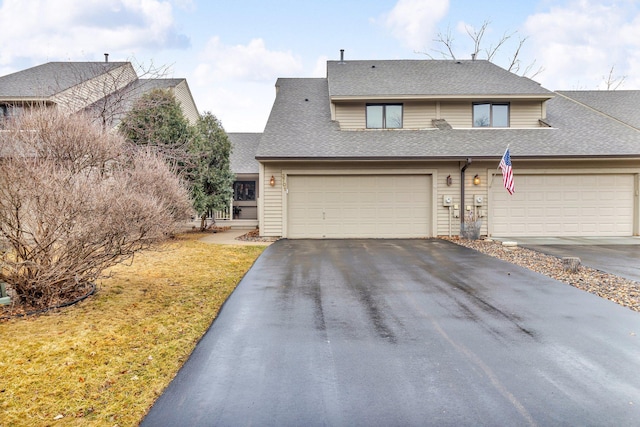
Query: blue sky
[[232, 52]]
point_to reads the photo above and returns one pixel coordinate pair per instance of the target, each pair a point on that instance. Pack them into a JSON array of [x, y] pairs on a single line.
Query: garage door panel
[[360, 206], [572, 205]]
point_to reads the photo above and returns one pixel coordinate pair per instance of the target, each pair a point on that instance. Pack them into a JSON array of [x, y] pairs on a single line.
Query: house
[[244, 165], [411, 148], [106, 90]]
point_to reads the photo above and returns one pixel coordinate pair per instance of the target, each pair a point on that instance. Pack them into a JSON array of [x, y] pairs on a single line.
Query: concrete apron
[[590, 241]]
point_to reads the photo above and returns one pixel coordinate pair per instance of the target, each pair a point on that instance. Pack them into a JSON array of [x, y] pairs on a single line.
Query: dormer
[[413, 95]]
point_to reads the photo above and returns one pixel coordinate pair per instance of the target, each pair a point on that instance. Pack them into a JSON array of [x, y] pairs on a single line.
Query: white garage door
[[564, 205], [352, 206]]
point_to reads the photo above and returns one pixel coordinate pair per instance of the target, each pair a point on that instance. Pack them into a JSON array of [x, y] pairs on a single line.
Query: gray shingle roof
[[623, 105], [243, 153], [51, 78], [300, 127], [426, 77]]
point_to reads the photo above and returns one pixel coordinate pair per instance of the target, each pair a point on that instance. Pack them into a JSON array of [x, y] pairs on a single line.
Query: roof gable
[[46, 80], [388, 78]]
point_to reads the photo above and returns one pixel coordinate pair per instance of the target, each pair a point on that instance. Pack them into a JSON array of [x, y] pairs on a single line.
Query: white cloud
[[578, 43], [320, 70], [237, 83], [252, 62], [414, 22], [74, 29]]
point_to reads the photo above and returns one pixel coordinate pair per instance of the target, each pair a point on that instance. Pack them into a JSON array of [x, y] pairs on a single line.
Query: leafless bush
[[74, 201]]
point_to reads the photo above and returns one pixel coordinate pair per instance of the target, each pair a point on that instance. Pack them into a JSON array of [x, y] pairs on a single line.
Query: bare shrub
[[74, 201]]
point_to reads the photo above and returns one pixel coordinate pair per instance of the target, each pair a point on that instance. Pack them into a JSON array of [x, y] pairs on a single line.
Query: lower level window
[[490, 115], [244, 190], [384, 116]]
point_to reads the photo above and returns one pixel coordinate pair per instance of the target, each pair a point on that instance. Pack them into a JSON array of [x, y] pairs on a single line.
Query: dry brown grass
[[104, 361]]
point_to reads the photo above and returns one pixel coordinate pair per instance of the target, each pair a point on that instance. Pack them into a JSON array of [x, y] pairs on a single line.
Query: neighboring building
[[405, 148], [245, 166], [105, 89]]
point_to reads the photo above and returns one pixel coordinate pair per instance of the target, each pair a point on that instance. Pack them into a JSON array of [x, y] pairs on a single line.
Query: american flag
[[507, 172]]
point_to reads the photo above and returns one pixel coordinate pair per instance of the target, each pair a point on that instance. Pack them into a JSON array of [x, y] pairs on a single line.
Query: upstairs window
[[384, 116], [488, 114]]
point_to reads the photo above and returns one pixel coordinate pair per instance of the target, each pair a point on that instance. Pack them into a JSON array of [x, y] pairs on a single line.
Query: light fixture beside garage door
[[272, 181], [476, 180]]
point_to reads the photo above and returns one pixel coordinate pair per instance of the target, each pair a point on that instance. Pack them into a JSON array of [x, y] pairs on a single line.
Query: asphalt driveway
[[615, 255], [402, 333]]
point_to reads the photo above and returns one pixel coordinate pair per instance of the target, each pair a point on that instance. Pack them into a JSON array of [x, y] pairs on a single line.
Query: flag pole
[[493, 175]]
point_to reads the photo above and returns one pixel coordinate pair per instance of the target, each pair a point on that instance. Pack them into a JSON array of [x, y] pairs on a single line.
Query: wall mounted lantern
[[272, 181], [449, 181], [476, 180]]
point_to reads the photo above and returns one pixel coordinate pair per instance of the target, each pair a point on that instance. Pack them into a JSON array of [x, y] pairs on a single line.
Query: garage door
[[351, 206], [564, 205]]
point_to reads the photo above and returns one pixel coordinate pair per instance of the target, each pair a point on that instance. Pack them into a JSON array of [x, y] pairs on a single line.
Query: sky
[[232, 52]]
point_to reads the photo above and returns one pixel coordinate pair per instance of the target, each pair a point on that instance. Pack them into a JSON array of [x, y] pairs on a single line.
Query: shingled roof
[[622, 105], [300, 127], [243, 152], [46, 80], [427, 78]]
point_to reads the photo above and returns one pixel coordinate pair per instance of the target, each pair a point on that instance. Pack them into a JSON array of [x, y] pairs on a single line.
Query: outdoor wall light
[[476, 180], [449, 181], [272, 181]]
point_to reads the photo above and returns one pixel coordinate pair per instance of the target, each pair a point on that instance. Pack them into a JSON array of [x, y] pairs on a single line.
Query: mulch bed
[[254, 236]]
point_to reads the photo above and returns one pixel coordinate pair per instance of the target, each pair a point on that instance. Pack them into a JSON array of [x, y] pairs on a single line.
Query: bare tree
[[75, 200], [613, 82], [105, 91], [484, 50]]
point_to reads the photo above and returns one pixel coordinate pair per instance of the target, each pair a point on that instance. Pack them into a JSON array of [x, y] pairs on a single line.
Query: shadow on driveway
[[406, 333]]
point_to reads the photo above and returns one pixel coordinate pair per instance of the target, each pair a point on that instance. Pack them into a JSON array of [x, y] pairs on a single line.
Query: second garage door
[[354, 206], [564, 205]]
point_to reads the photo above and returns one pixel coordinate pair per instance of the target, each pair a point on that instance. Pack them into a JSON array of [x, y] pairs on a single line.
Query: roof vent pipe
[[473, 56], [106, 57], [342, 56]]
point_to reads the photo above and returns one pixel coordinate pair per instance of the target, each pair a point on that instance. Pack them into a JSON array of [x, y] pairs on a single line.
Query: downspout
[[462, 206]]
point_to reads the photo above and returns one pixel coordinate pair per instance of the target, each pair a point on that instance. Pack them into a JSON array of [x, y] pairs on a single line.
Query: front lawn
[[104, 361]]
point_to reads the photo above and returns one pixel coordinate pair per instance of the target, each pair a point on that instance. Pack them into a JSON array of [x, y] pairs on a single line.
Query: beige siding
[[183, 96], [351, 115], [416, 115], [419, 115], [272, 213], [525, 114], [456, 113], [80, 96], [442, 219]]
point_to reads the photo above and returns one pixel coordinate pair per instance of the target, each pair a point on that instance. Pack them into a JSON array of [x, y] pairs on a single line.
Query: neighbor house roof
[[243, 152], [46, 80], [300, 127], [399, 78], [622, 105], [123, 99]]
